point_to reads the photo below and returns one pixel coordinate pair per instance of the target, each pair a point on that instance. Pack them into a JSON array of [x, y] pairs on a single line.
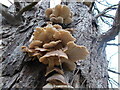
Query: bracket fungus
[[55, 46], [59, 14]]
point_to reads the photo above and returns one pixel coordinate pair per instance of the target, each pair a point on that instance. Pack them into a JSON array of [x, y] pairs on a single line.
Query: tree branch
[[11, 19], [17, 5], [115, 82], [26, 8], [114, 31], [114, 71], [108, 16], [105, 11], [113, 44], [16, 19], [105, 15]]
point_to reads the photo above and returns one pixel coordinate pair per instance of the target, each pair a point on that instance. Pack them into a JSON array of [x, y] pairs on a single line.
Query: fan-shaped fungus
[[59, 14], [55, 47]]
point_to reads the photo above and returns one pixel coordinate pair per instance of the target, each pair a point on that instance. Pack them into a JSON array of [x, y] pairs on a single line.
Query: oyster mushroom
[[52, 44], [68, 20], [57, 26], [57, 79], [35, 43], [40, 34], [51, 86], [26, 49], [57, 10], [59, 19], [59, 14], [54, 69], [65, 36], [76, 52], [53, 57], [52, 15], [48, 85], [42, 49], [48, 12], [65, 12], [68, 65]]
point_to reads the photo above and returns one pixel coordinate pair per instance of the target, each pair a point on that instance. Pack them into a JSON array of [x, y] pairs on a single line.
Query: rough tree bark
[[19, 71]]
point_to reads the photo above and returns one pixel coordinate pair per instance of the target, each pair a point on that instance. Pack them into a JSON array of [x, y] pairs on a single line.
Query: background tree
[[18, 24]]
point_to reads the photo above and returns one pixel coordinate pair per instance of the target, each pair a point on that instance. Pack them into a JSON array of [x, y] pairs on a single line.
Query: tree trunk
[[19, 71]]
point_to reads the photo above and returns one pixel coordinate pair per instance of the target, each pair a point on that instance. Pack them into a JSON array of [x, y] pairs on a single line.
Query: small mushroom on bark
[[57, 79], [54, 69], [50, 86], [68, 65]]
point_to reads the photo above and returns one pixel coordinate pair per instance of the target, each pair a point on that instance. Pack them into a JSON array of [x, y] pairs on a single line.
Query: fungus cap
[[53, 55], [48, 12], [51, 86], [52, 15], [65, 36], [65, 12], [76, 52], [57, 10], [59, 20], [68, 20], [40, 34], [57, 26], [48, 85], [42, 49], [68, 65], [53, 19], [57, 79], [50, 70], [26, 49], [35, 43], [51, 44]]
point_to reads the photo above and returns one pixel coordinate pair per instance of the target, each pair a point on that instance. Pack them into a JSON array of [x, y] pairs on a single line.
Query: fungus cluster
[[55, 47], [59, 14]]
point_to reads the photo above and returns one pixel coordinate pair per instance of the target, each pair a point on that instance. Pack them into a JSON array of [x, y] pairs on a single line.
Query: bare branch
[[10, 2], [115, 82], [105, 11], [108, 16], [101, 3], [110, 83], [114, 71], [113, 44], [28, 7], [105, 21], [17, 5], [16, 19], [105, 15], [8, 17], [114, 31]]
